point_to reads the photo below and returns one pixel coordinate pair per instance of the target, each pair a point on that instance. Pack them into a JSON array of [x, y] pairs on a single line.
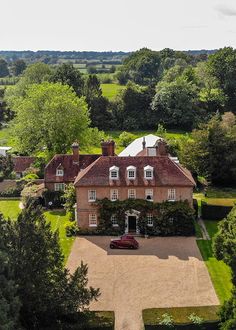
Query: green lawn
[[111, 90], [58, 219], [218, 270], [10, 208]]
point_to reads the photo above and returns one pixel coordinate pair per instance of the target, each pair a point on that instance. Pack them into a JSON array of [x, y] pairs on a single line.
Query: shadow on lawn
[[182, 248], [59, 212]]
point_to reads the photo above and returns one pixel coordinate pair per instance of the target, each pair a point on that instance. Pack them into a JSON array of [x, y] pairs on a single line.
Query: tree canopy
[[50, 116]]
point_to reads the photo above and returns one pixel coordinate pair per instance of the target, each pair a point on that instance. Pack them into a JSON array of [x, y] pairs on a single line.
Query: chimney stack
[[144, 143], [108, 148], [75, 150], [162, 148]]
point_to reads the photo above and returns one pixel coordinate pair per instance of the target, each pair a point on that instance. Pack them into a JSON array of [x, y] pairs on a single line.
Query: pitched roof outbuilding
[[21, 163]]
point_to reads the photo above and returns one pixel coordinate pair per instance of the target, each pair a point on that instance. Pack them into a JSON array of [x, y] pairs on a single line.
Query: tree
[[211, 152], [67, 74], [4, 72], [50, 116], [222, 66], [18, 67], [9, 301], [6, 165], [125, 138], [48, 293], [224, 247], [70, 200], [174, 104], [92, 88]]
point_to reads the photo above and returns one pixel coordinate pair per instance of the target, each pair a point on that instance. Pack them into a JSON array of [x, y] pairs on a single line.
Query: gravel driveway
[[164, 272]]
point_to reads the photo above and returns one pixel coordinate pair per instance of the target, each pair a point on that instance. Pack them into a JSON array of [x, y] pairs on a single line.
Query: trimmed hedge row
[[203, 326], [214, 212]]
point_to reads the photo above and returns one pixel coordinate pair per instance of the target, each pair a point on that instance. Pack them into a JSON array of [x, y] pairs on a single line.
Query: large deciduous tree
[[174, 104], [67, 74], [211, 151], [50, 116], [4, 72], [18, 67]]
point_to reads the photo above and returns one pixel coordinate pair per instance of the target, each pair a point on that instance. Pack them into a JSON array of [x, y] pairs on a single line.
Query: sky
[[126, 25]]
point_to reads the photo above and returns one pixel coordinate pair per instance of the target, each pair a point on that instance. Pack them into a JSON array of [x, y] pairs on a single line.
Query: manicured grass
[[111, 90], [180, 314], [219, 272], [10, 208], [59, 219]]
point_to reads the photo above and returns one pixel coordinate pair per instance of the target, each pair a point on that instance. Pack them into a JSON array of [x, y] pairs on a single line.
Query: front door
[[132, 223]]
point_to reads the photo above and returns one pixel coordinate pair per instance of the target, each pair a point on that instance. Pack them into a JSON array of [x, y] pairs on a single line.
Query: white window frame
[[148, 169], [150, 220], [132, 193], [59, 172], [149, 192], [92, 220], [92, 195], [114, 221], [59, 186], [131, 169], [171, 195], [114, 173], [114, 192]]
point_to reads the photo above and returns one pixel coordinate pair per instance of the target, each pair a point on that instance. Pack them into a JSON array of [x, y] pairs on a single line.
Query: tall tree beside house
[[48, 293], [9, 301], [50, 116], [211, 151], [224, 246], [67, 74]]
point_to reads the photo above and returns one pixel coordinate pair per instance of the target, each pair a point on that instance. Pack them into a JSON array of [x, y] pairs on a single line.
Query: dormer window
[[131, 172], [114, 173], [59, 171], [148, 172]]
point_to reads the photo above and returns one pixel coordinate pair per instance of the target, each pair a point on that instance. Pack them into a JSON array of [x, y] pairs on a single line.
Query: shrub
[[72, 229], [167, 320], [56, 197], [126, 138], [12, 192]]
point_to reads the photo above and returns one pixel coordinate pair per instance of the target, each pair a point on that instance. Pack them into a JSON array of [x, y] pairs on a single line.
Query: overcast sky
[[117, 25]]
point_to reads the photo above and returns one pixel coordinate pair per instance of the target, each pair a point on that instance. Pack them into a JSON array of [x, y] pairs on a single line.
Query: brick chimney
[[75, 151], [144, 143], [108, 148], [162, 148]]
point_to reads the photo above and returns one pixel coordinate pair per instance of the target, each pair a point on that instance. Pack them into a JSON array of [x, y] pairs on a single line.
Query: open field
[[219, 271], [111, 90]]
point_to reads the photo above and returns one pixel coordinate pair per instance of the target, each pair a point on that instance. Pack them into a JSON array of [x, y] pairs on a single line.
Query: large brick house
[[155, 178]]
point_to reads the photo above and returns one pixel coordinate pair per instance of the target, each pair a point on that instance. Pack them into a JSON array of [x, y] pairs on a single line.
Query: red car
[[124, 242]]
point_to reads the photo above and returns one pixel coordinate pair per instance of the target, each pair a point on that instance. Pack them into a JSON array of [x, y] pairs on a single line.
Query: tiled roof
[[21, 163], [70, 168], [166, 172]]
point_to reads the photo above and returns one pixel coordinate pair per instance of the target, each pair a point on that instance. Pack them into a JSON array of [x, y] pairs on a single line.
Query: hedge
[[214, 212], [188, 326]]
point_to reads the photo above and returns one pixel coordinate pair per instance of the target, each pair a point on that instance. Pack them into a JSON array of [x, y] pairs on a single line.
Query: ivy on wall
[[169, 218]]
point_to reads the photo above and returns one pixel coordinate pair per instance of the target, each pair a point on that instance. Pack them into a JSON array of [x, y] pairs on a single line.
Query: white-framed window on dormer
[[114, 173], [149, 194], [171, 195], [59, 172], [148, 172], [131, 172], [114, 194]]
